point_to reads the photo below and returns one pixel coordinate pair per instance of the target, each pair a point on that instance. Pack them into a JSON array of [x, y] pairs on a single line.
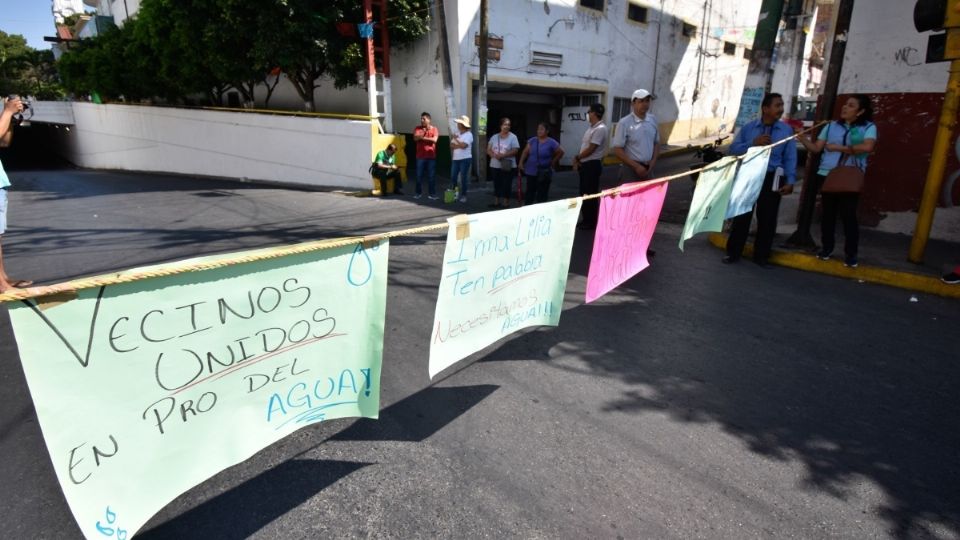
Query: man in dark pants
[[589, 161], [767, 130], [385, 168]]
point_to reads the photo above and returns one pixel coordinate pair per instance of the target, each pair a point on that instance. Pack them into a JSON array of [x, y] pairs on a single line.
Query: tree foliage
[[176, 49], [27, 71]]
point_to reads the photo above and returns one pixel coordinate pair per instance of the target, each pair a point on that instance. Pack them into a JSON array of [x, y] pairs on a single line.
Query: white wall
[[296, 150], [52, 112], [885, 53], [119, 9]]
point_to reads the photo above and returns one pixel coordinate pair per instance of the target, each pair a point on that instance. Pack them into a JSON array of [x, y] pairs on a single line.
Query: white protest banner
[[502, 271], [145, 389]]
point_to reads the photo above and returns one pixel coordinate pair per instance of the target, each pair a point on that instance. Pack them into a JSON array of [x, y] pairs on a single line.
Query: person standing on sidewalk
[[589, 162], [502, 150], [783, 159], [851, 138], [425, 136], [636, 140], [11, 107], [538, 161], [461, 144]]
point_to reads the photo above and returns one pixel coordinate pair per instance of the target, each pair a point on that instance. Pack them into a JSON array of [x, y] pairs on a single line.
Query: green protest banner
[[145, 389], [711, 198], [502, 271]]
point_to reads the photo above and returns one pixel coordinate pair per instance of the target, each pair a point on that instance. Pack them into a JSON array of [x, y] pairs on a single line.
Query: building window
[[621, 108], [592, 4], [689, 30], [729, 48], [747, 53], [636, 13]]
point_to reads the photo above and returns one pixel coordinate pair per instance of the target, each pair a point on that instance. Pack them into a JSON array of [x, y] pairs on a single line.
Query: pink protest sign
[[624, 231]]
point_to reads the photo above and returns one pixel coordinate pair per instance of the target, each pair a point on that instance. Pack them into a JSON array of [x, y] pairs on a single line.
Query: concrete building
[[558, 57]]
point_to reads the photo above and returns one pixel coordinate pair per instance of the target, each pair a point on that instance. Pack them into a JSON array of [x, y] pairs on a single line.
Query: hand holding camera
[[14, 104]]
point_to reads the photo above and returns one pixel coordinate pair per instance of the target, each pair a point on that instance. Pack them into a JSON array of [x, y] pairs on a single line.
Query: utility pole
[[445, 68], [941, 144], [801, 238], [758, 73], [482, 96], [786, 76]]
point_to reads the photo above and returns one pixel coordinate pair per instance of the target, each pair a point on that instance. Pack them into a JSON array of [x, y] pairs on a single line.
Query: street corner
[[864, 273]]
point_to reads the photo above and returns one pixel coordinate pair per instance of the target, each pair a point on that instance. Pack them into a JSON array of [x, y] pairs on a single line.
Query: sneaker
[[824, 255], [951, 278], [463, 199], [851, 262], [432, 197], [417, 196]]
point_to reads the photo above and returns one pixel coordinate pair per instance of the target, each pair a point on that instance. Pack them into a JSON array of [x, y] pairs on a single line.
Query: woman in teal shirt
[[853, 137]]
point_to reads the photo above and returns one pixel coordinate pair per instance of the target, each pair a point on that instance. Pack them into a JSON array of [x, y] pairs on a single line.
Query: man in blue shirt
[[767, 130]]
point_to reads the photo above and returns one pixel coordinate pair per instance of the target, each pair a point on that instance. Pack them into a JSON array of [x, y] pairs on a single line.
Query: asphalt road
[[699, 400]]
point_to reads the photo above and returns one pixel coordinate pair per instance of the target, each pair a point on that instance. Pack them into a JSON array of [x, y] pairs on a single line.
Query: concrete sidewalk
[[882, 258]]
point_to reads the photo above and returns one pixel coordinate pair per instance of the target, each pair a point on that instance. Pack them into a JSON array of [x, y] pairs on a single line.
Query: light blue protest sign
[[145, 389], [749, 181]]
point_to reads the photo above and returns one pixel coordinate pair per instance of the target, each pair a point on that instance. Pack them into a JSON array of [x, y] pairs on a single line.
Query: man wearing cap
[[589, 162], [636, 140]]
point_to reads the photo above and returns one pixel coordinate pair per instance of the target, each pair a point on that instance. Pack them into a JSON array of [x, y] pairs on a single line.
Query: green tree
[[27, 71], [179, 48]]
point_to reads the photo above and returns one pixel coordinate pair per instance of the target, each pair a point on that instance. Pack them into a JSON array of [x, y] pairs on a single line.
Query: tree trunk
[[270, 89]]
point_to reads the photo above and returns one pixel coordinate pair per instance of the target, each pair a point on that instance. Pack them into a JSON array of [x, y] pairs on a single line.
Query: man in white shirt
[[589, 162], [637, 139]]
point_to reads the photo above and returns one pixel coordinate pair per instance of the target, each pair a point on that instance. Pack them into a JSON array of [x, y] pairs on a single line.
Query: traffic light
[[939, 15]]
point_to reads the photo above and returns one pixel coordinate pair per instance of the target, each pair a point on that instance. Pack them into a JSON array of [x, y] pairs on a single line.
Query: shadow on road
[[869, 412], [419, 416], [247, 508]]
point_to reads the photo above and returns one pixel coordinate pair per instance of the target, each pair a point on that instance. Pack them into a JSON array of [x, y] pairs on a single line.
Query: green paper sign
[[145, 389], [502, 271], [711, 198]]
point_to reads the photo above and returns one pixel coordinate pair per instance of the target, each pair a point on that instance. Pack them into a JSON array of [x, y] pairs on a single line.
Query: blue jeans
[[428, 167], [460, 174]]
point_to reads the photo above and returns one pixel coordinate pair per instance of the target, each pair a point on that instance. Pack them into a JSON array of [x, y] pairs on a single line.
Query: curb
[[870, 274]]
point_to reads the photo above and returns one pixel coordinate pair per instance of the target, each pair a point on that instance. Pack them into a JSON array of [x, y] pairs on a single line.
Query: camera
[[18, 118]]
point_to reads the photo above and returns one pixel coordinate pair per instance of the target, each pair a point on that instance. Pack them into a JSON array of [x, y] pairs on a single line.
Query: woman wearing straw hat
[[460, 143]]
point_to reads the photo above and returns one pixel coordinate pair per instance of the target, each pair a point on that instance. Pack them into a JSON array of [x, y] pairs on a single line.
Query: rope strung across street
[[70, 287]]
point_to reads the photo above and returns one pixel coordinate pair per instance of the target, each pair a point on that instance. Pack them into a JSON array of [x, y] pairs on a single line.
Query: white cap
[[640, 94]]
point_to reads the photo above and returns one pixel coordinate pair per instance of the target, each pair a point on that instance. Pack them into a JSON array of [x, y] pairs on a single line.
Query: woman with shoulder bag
[[502, 150], [538, 161], [845, 144]]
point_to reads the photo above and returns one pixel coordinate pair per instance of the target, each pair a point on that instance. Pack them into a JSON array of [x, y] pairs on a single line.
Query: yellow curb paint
[[869, 274]]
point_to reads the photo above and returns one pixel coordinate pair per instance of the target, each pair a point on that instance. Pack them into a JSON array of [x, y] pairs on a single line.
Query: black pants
[[590, 184], [844, 205], [502, 182], [538, 186], [767, 207], [384, 174]]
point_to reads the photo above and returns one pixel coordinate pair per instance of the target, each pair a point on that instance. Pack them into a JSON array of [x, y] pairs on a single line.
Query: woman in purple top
[[538, 160]]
